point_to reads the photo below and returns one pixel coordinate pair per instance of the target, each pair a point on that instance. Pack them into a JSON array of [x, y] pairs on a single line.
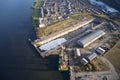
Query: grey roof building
[[91, 56], [100, 50], [77, 52], [88, 39], [84, 61]]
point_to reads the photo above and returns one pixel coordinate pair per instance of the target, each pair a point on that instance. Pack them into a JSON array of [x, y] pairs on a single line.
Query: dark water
[[113, 3], [18, 59]]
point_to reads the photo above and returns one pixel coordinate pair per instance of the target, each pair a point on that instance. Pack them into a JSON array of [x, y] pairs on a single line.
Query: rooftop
[[100, 50], [91, 56], [52, 44], [85, 41]]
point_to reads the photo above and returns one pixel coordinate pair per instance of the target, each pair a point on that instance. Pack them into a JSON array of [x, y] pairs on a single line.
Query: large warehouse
[[88, 39]]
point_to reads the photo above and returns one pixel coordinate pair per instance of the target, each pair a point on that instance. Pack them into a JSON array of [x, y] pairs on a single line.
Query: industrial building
[[84, 61], [50, 45], [100, 50], [91, 56], [88, 39], [77, 52]]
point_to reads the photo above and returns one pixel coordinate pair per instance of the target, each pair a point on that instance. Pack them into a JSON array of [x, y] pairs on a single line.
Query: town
[[80, 32], [56, 10]]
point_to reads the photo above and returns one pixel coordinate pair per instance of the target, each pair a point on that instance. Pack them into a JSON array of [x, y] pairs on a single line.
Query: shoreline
[[35, 17], [35, 14]]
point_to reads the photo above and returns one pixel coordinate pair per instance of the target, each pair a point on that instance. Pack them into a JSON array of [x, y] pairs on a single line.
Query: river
[[113, 3], [18, 59]]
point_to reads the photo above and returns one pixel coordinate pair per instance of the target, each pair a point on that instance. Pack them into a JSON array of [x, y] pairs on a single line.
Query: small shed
[[84, 61], [77, 52]]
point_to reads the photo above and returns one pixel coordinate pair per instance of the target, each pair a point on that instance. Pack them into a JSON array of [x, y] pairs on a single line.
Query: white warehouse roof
[[52, 44], [88, 39]]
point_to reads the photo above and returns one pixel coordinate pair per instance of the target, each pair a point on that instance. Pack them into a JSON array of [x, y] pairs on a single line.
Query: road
[[112, 69]]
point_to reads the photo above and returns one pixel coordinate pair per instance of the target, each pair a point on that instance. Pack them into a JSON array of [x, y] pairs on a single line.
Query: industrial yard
[[80, 42]]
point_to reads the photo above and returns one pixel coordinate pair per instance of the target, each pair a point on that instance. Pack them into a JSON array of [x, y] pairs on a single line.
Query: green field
[[36, 12], [114, 55], [60, 25], [98, 65], [117, 22], [38, 4], [77, 16]]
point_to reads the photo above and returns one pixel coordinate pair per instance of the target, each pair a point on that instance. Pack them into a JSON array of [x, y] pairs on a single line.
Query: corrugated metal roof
[[91, 56], [90, 37], [52, 44], [100, 50]]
